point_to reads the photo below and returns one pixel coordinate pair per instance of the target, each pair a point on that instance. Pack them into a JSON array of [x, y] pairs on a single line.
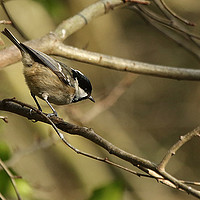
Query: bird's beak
[[90, 98]]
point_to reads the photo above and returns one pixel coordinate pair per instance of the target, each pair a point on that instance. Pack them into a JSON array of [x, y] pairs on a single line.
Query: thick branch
[[121, 64], [77, 130], [73, 24], [51, 44]]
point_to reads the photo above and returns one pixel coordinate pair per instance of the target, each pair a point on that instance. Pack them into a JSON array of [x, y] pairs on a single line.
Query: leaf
[[112, 191]]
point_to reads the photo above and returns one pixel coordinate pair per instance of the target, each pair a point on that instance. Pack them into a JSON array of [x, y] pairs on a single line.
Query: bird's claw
[[52, 114]]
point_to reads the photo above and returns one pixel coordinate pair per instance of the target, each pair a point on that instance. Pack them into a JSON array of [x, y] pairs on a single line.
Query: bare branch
[[175, 147], [109, 100], [175, 15], [5, 22], [154, 171], [5, 119], [172, 25], [11, 20], [73, 24], [2, 197], [12, 177], [191, 182], [19, 108], [51, 44], [137, 1], [45, 143], [121, 64]]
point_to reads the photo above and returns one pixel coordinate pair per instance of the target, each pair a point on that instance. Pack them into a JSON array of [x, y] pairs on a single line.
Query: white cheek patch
[[81, 93]]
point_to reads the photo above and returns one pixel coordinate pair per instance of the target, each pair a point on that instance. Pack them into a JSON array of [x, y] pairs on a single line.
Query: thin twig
[[177, 146], [129, 170], [45, 143], [5, 22], [2, 197], [109, 100], [11, 19], [187, 42], [137, 1], [175, 15], [12, 177], [56, 129], [166, 23], [105, 103], [191, 182], [5, 119]]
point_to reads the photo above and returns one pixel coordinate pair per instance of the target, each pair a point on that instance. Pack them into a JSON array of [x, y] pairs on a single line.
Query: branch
[[87, 133], [5, 119], [152, 170], [170, 14], [52, 44], [5, 22], [170, 24], [121, 64], [73, 24], [2, 197], [177, 146], [107, 101], [12, 177]]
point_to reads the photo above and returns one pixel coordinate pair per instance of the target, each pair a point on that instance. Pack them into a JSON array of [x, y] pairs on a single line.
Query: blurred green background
[[147, 119]]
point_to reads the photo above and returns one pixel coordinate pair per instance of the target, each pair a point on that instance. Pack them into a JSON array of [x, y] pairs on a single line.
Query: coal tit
[[49, 79]]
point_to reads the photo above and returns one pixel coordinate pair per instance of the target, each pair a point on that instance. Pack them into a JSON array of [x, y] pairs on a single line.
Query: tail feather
[[13, 39]]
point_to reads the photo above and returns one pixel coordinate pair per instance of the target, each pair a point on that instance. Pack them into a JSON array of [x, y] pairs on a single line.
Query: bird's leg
[[45, 97], [36, 101]]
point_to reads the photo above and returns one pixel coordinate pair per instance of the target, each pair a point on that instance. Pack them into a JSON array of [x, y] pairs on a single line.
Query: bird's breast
[[41, 79]]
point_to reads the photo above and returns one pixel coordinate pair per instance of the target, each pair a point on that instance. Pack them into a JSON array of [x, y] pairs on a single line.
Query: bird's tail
[[13, 39]]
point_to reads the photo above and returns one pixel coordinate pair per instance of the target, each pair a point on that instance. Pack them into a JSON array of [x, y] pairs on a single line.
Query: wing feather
[[55, 66]]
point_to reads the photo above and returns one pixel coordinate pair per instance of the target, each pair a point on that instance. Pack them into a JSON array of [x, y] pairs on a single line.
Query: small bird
[[51, 80]]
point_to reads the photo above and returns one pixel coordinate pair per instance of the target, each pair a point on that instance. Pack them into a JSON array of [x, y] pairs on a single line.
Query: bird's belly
[[42, 80]]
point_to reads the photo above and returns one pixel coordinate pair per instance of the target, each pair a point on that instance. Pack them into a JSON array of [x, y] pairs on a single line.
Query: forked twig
[[177, 146], [153, 170], [175, 15], [105, 160]]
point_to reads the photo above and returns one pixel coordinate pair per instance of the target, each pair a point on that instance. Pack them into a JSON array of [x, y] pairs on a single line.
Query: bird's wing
[[60, 69]]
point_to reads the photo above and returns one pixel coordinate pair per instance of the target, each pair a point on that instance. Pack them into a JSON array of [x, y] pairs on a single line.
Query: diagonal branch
[[153, 170], [87, 133], [170, 24]]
